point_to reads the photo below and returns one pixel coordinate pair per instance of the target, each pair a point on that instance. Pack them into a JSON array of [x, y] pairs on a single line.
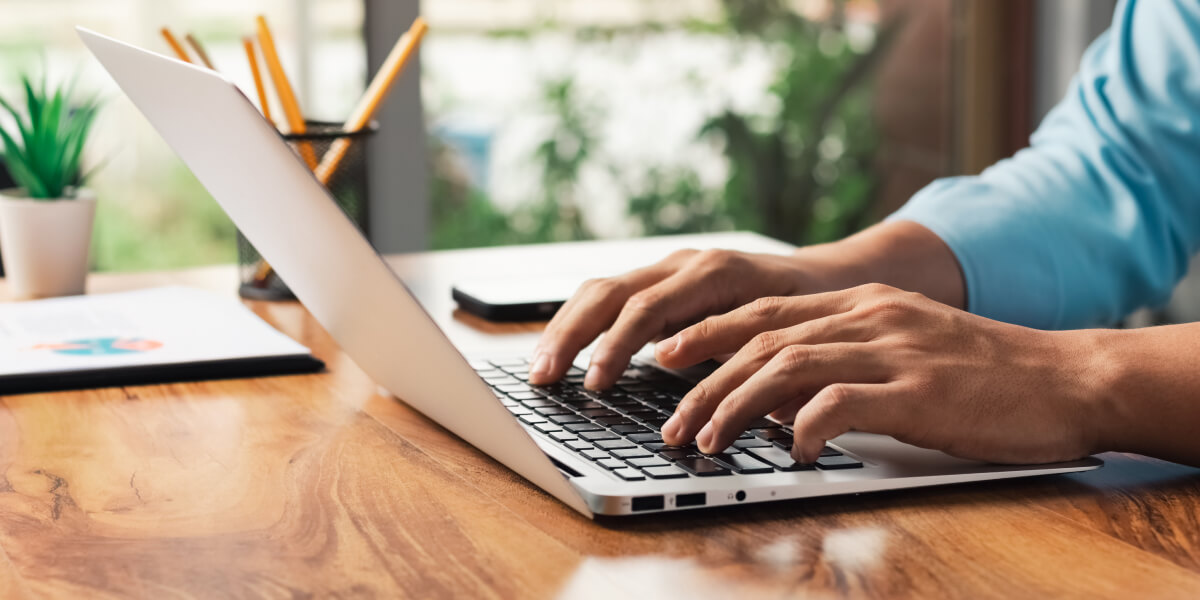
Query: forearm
[[901, 254], [1149, 390]]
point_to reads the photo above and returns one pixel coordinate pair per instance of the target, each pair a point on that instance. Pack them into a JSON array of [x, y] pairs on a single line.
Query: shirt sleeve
[[1101, 214]]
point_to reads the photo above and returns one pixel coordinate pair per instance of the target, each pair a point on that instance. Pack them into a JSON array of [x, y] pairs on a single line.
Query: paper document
[[160, 326]]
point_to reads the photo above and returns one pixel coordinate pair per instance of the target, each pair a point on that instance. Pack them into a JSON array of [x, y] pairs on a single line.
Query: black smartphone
[[513, 300]]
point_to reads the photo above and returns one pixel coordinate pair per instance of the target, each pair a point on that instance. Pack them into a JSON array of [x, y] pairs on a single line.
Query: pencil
[[373, 98], [248, 44], [199, 50], [175, 45], [291, 108]]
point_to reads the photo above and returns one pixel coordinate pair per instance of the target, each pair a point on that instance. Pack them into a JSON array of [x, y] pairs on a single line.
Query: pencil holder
[[347, 184]]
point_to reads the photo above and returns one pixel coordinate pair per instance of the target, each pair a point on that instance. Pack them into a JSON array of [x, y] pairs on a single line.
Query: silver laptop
[[601, 452]]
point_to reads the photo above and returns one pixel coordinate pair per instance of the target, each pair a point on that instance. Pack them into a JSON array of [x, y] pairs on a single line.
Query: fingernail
[[594, 378], [667, 346], [704, 438], [541, 366], [671, 427]]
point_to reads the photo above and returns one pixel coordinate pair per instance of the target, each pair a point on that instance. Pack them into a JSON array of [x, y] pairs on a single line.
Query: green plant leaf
[[46, 152]]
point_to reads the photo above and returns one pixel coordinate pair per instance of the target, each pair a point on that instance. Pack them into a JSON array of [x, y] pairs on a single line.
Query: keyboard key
[[663, 446], [646, 438], [610, 421], [614, 444], [680, 454], [594, 454], [827, 451], [538, 402], [655, 423], [562, 436], [829, 463], [550, 411], [509, 388], [772, 434], [702, 467], [649, 461], [632, 428], [751, 443], [508, 362], [603, 411], [567, 419], [595, 436], [519, 411], [762, 423], [629, 474], [628, 453], [779, 459], [585, 404], [480, 365], [582, 427], [525, 395], [668, 472], [742, 463], [611, 463], [784, 444], [579, 445], [547, 427], [532, 419]]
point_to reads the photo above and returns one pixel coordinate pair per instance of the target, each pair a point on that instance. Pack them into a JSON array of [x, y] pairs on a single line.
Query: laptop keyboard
[[619, 428]]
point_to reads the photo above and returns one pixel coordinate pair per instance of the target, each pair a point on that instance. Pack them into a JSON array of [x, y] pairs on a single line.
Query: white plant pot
[[44, 243]]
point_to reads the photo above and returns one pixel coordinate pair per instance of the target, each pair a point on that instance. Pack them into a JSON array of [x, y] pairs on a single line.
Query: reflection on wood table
[[318, 486]]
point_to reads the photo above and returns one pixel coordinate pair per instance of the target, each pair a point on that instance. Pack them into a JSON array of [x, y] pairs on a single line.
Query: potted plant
[[46, 221]]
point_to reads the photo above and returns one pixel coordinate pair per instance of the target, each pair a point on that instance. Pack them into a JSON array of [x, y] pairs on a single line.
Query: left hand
[[880, 360]]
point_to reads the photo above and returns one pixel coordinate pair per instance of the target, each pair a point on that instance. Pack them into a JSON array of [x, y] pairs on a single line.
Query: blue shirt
[[1101, 214]]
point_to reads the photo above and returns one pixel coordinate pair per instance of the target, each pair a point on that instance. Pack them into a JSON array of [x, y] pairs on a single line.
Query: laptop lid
[[291, 219]]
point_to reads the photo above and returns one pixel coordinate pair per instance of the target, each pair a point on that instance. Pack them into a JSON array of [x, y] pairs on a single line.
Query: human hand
[[880, 360], [649, 303]]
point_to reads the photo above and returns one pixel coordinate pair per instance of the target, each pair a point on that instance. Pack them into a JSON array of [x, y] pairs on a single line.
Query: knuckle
[[644, 302], [697, 333], [597, 285], [701, 395], [876, 289], [716, 261], [765, 344], [889, 307], [795, 358], [679, 255], [766, 307], [837, 398]]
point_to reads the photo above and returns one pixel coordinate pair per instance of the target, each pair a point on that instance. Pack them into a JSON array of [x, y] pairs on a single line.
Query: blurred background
[[544, 120]]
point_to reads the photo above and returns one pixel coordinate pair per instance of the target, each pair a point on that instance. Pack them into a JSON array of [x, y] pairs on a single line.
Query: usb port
[[684, 500], [648, 503]]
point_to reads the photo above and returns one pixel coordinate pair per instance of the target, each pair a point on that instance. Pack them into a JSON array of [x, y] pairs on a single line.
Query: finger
[[732, 330], [582, 318], [647, 315], [842, 407], [793, 372], [697, 407]]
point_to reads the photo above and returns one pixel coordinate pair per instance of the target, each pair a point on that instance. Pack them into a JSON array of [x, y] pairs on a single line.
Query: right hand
[[655, 302]]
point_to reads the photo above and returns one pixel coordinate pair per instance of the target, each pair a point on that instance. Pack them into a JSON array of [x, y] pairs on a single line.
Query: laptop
[[598, 452]]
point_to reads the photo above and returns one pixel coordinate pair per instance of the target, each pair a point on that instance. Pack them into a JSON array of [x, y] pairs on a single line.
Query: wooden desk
[[317, 486]]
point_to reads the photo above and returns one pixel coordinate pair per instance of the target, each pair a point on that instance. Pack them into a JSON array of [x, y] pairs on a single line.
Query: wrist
[[1096, 370], [901, 254]]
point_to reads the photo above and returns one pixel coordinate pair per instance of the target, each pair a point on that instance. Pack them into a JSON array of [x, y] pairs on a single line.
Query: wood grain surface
[[319, 486]]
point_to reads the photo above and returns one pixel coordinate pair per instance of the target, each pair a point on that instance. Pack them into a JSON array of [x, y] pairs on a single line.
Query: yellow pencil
[[376, 93], [175, 45], [248, 44], [291, 108], [199, 50]]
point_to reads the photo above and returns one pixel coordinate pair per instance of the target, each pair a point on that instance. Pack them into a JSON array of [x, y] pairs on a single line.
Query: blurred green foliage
[[802, 174]]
